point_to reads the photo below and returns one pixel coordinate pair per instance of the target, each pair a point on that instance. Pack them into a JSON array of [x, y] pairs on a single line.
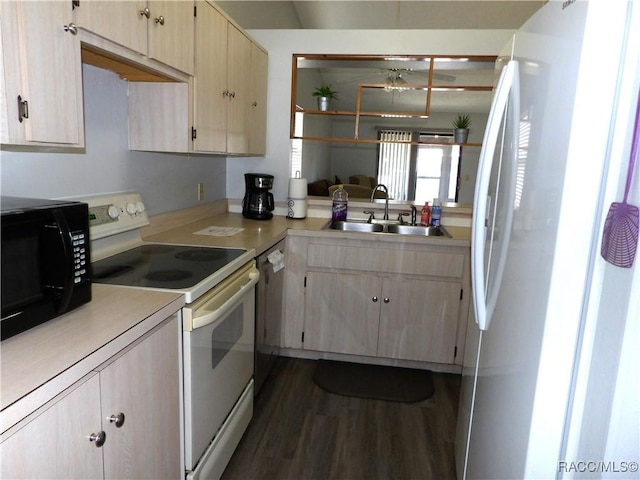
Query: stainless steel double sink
[[387, 227]]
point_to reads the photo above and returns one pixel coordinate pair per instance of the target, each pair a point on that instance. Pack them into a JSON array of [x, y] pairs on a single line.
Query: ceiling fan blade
[[444, 77], [425, 72]]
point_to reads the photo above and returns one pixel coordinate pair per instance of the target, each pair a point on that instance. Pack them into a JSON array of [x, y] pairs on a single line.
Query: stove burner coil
[[155, 249], [200, 255], [168, 275], [111, 271]]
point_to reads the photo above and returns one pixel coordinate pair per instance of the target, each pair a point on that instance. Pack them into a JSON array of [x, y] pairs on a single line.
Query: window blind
[[394, 162]]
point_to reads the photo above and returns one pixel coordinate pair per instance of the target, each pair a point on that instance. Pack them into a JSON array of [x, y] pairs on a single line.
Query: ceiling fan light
[[393, 82]]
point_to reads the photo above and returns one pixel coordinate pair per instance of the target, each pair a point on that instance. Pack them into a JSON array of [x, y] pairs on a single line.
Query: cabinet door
[[238, 61], [210, 82], [143, 384], [171, 33], [342, 313], [419, 320], [123, 21], [258, 101], [42, 65], [55, 444]]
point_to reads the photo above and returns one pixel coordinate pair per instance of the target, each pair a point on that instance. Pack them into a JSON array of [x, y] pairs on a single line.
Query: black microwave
[[46, 262]]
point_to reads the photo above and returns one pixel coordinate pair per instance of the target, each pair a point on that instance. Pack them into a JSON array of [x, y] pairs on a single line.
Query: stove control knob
[[131, 208], [140, 207], [113, 212]]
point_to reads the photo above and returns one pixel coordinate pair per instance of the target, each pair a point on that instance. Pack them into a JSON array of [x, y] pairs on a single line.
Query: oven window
[[226, 335]]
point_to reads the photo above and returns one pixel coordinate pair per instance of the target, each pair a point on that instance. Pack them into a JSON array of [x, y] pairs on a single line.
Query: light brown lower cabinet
[[340, 316], [419, 320], [394, 317], [387, 300], [121, 421]]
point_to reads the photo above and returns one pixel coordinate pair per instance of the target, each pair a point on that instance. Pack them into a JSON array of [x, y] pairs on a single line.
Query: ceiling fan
[[399, 78]]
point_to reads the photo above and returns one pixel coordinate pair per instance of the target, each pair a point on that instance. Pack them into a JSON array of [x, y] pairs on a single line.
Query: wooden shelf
[[367, 140], [365, 114]]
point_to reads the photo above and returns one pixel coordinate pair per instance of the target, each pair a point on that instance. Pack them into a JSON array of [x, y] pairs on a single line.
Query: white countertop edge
[[22, 407]]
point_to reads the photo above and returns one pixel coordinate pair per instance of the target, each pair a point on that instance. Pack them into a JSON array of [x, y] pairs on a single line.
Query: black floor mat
[[378, 382]]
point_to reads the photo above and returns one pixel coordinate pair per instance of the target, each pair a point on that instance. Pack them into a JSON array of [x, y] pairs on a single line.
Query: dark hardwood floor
[[299, 431]]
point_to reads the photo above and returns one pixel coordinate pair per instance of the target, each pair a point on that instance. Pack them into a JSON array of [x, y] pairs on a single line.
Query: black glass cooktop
[[162, 266]]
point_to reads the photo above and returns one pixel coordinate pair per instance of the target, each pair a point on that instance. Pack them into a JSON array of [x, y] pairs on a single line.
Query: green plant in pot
[[461, 128], [325, 95]]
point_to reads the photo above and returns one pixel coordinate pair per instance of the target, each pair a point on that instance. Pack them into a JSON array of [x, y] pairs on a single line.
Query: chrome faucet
[[386, 199], [414, 214]]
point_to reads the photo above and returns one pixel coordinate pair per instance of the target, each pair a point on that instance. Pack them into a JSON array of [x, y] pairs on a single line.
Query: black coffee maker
[[258, 200]]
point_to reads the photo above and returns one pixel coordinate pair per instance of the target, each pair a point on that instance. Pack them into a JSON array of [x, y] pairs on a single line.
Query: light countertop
[[260, 235], [41, 362]]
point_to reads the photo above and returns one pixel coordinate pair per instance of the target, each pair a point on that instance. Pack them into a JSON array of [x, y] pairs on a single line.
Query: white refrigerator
[[551, 368]]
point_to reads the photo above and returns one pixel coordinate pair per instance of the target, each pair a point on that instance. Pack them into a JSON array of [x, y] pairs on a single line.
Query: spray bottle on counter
[[425, 218], [339, 206], [435, 213]]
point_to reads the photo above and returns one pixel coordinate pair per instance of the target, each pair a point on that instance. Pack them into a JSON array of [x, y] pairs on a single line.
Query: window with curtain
[[419, 172]]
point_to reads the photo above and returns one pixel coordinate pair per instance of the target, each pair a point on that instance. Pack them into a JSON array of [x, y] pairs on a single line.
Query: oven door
[[218, 360]]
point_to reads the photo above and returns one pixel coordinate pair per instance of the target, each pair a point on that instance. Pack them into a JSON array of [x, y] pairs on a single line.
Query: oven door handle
[[224, 300]]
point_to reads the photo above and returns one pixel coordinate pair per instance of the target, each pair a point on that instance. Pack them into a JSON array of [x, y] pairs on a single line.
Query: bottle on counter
[[435, 213], [425, 219], [339, 206]]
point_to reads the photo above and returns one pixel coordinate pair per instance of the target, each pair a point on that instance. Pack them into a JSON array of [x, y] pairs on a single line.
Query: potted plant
[[325, 94], [461, 128]]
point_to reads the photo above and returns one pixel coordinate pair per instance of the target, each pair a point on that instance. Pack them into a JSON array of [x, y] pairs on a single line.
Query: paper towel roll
[[298, 188], [297, 201]]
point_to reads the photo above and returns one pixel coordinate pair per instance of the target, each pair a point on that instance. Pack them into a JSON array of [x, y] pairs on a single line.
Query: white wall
[[282, 44], [166, 181]]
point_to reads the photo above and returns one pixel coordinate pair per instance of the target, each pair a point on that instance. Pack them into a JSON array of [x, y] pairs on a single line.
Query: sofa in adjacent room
[[359, 186]]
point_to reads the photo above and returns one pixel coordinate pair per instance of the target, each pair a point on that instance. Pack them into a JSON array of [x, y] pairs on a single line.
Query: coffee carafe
[[258, 200]]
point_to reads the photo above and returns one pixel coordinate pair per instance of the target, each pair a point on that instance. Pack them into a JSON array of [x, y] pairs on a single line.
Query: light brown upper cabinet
[[41, 75], [226, 106], [388, 91], [210, 102], [258, 99], [161, 30], [229, 104], [237, 91]]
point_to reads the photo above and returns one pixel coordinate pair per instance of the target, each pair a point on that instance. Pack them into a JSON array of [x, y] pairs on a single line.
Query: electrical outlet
[[200, 191]]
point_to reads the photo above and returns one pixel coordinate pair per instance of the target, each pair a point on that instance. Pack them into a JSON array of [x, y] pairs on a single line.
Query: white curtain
[[394, 162]]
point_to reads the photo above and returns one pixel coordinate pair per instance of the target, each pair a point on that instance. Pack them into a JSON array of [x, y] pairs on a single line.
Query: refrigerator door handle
[[508, 196], [484, 301]]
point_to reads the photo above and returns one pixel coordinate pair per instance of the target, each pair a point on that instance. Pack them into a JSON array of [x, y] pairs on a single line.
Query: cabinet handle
[[72, 28], [160, 20], [23, 109], [145, 13], [254, 104], [99, 438], [232, 94], [386, 300], [374, 299], [225, 93], [117, 419]]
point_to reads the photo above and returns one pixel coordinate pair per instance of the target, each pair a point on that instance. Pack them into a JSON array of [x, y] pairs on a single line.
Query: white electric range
[[218, 321]]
